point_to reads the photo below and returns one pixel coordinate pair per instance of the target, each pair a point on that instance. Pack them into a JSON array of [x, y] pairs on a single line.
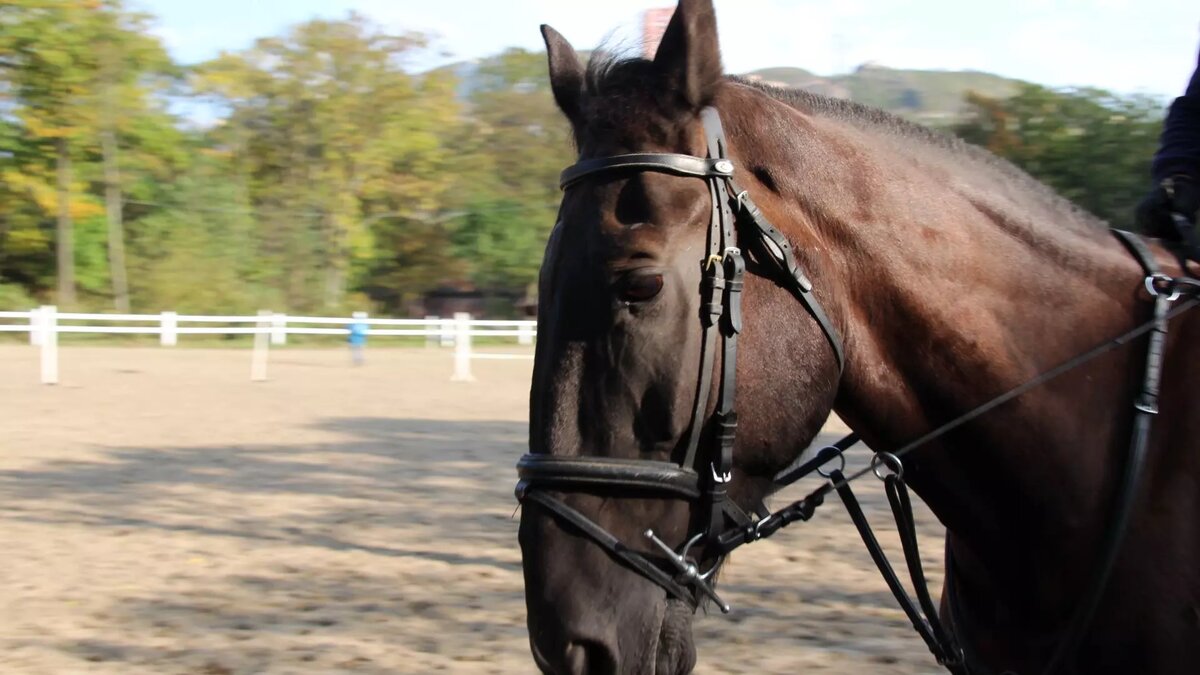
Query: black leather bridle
[[724, 525], [694, 478]]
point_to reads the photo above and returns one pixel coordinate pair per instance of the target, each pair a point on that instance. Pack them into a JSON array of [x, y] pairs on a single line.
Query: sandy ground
[[160, 513]]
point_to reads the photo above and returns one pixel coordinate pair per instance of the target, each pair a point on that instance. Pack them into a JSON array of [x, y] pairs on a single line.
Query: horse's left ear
[[566, 73], [689, 57]]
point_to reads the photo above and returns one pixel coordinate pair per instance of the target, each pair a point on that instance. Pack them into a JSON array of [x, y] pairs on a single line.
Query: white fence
[[45, 323]]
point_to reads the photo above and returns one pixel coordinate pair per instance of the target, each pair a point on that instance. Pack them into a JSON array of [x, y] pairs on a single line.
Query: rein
[[721, 320]]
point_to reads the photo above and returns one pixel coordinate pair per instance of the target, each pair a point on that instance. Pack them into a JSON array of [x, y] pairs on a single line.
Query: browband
[[679, 165]]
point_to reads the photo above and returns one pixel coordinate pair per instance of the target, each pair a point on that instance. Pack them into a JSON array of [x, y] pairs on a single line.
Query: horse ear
[[689, 57], [566, 72]]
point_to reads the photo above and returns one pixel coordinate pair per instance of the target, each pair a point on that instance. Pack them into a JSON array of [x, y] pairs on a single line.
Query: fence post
[[35, 326], [524, 334], [49, 342], [446, 332], [258, 361], [432, 330], [168, 331], [279, 329], [462, 348]]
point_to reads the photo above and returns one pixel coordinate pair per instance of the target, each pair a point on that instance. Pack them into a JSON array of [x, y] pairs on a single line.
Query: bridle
[[705, 479], [724, 525]]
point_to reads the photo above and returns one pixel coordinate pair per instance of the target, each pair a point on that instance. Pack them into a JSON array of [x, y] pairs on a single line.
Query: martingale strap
[[1145, 409], [924, 619], [906, 526]]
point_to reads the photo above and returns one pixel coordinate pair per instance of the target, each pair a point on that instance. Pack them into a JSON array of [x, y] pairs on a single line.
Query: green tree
[[516, 144], [326, 122], [26, 197], [500, 241], [81, 79], [49, 65], [133, 68], [1091, 146], [196, 251], [324, 167]]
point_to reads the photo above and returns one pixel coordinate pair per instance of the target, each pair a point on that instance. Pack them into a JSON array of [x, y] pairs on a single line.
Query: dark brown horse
[[949, 277]]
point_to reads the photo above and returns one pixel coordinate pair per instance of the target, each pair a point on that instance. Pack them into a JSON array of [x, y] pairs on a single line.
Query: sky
[[1126, 46]]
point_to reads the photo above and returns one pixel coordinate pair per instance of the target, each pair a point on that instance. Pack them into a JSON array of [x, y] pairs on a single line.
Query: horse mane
[[611, 75]]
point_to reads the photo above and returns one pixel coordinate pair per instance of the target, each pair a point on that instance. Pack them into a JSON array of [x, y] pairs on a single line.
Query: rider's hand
[[1177, 194]]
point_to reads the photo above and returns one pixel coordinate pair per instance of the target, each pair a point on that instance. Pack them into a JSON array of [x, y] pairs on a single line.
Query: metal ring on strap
[[889, 461], [841, 458], [1152, 282]]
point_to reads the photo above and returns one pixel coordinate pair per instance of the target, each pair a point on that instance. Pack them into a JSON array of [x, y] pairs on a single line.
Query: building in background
[[654, 24]]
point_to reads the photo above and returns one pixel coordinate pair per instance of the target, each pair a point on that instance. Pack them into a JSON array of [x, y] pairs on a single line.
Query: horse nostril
[[586, 657]]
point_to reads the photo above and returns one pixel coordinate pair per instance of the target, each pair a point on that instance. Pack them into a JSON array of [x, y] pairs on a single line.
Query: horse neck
[[957, 310], [953, 282]]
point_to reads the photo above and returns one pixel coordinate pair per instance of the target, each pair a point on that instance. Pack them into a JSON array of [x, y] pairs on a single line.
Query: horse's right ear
[[566, 73], [689, 56]]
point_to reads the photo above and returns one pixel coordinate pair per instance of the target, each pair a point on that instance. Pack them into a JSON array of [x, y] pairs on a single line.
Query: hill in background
[[933, 97]]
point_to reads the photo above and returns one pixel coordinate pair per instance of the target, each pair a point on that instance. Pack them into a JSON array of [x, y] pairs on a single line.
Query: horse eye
[[640, 287]]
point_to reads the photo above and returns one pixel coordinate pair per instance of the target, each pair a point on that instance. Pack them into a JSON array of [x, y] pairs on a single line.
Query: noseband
[[724, 524]]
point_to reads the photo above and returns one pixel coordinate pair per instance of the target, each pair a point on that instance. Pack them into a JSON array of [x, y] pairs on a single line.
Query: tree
[[133, 66], [517, 144], [26, 196], [49, 71], [76, 75], [1091, 146], [196, 251], [327, 122]]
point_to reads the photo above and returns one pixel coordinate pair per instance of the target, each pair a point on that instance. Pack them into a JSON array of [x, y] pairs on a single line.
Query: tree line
[[317, 171]]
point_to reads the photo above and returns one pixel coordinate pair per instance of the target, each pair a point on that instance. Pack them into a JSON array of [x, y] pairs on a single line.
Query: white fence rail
[[44, 324]]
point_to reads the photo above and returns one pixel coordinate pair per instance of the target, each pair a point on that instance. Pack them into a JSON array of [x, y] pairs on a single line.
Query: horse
[[722, 241]]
